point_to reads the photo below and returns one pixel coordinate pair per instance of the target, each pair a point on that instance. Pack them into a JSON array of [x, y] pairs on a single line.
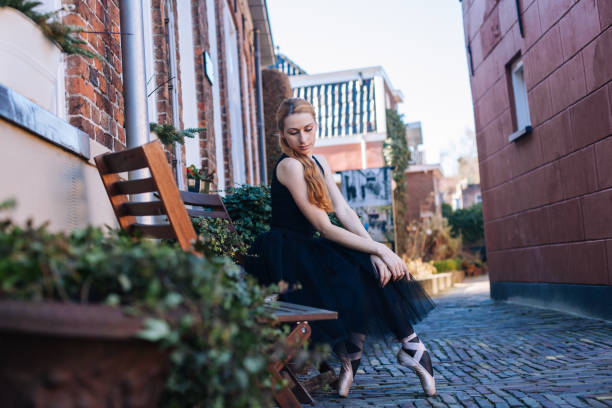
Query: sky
[[419, 43]]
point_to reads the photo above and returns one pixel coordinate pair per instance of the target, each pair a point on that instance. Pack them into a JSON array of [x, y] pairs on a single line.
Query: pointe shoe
[[345, 378], [428, 382]]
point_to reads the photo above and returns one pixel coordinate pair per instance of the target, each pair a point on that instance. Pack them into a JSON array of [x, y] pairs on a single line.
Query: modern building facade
[[351, 112], [201, 65], [540, 73]]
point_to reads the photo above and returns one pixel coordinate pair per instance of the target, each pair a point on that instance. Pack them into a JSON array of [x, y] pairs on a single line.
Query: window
[[518, 94]]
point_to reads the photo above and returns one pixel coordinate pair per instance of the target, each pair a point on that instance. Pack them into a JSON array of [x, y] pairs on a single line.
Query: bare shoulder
[[289, 169], [290, 165]]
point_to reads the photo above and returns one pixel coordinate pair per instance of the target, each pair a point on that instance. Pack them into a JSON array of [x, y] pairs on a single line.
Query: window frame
[[518, 97]]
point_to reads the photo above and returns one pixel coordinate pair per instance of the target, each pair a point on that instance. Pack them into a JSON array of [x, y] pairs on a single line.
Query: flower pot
[[70, 355], [193, 185], [31, 63]]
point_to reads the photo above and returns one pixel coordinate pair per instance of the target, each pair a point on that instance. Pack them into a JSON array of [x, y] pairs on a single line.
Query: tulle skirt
[[330, 276]]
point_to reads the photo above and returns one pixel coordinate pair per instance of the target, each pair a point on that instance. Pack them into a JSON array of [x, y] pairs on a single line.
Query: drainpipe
[[260, 114], [178, 157], [134, 84]]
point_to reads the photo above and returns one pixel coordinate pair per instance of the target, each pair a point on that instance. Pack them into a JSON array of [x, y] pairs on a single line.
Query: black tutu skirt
[[336, 278]]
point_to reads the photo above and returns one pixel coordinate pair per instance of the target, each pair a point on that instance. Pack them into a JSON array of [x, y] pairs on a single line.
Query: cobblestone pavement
[[490, 354]]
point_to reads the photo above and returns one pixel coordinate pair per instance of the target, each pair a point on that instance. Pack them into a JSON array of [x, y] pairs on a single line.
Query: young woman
[[342, 270]]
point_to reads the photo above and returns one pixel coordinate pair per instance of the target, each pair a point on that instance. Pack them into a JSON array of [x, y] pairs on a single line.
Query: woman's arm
[[344, 212], [351, 221], [290, 173]]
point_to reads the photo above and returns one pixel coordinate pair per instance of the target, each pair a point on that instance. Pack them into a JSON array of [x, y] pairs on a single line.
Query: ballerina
[[343, 269]]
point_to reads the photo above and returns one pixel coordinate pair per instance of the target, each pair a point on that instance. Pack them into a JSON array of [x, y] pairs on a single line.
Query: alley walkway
[[491, 354]]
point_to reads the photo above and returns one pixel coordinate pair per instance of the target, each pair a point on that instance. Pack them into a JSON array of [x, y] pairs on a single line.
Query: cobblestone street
[[491, 354]]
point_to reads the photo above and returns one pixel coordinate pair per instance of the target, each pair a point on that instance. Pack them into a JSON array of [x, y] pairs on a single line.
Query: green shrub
[[448, 265], [250, 208], [468, 223], [219, 349], [217, 238]]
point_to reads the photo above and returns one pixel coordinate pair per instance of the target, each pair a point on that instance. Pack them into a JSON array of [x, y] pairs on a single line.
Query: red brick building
[[423, 191], [200, 72], [540, 77]]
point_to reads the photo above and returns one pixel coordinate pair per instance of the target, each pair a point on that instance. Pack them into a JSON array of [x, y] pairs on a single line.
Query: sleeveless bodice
[[285, 212]]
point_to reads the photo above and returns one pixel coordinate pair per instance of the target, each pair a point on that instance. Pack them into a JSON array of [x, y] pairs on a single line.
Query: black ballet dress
[[331, 277]]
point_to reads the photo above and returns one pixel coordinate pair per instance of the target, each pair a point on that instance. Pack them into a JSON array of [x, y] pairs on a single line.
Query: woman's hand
[[394, 263], [384, 275]]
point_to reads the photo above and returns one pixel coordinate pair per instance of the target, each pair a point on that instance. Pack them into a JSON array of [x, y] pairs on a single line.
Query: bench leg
[[284, 397], [298, 389], [296, 339]]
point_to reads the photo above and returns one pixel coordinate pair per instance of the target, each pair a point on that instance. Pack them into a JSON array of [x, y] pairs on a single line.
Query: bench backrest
[[206, 206], [124, 194]]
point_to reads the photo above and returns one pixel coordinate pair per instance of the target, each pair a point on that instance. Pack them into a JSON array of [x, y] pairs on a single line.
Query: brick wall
[[244, 36], [420, 192], [546, 197], [93, 87]]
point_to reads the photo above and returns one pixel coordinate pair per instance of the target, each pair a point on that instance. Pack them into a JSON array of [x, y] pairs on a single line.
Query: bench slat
[[201, 199], [290, 312], [127, 160], [145, 185], [142, 208], [161, 231]]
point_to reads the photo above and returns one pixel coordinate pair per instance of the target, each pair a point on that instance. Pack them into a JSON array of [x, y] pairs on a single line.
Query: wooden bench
[[159, 182]]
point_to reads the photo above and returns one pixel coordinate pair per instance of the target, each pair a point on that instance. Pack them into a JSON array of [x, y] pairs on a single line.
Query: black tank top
[[285, 212]]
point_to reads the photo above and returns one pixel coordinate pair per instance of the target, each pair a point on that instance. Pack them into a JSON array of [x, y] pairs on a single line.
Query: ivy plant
[[219, 348], [397, 155], [250, 208]]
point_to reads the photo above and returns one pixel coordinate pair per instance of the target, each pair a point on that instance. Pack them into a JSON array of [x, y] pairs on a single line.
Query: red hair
[[317, 190]]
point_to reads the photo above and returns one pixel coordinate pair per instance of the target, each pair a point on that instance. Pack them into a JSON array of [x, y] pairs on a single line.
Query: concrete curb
[[439, 282]]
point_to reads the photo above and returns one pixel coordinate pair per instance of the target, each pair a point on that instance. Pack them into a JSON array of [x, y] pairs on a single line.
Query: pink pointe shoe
[[404, 358], [345, 378]]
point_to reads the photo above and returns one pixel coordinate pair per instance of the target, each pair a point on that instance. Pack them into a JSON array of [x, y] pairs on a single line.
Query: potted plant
[[99, 318], [198, 180]]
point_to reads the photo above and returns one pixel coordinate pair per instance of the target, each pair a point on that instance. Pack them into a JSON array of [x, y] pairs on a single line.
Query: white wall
[[233, 97], [247, 105], [60, 84], [214, 56], [379, 98], [188, 82]]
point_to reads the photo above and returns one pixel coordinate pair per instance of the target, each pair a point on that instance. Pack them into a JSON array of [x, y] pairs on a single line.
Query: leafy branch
[[168, 134]]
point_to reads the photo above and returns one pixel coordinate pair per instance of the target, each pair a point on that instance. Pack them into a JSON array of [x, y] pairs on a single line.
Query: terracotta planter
[[69, 355], [31, 63]]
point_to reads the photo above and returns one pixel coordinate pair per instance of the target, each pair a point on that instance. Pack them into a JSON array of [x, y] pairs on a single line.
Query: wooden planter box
[[70, 355]]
